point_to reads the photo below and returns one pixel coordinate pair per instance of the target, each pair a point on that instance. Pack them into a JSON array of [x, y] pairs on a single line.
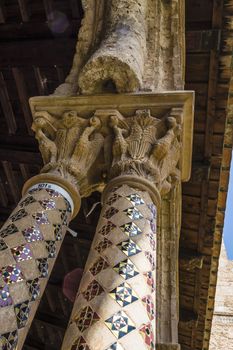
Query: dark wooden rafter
[[7, 107], [23, 97], [24, 10], [2, 12], [11, 180], [210, 115]]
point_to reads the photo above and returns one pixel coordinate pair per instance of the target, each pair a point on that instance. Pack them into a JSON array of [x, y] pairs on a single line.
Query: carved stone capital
[[146, 147], [69, 146]]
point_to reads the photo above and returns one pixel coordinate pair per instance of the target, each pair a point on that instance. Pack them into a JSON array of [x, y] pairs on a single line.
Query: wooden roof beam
[[7, 107], [24, 10], [23, 97], [13, 184], [2, 12]]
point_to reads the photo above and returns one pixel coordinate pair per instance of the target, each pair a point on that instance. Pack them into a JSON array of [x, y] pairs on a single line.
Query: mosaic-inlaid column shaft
[[115, 305], [29, 244]]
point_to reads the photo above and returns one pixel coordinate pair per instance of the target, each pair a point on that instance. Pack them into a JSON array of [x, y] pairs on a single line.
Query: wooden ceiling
[[37, 43]]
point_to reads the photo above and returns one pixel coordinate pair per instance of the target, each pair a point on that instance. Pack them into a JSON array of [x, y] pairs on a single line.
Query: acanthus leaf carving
[[69, 146]]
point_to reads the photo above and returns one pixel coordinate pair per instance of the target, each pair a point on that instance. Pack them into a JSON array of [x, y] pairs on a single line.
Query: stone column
[[115, 305], [31, 238]]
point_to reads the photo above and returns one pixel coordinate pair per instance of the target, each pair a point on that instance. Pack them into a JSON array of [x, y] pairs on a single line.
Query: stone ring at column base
[[136, 182], [53, 179]]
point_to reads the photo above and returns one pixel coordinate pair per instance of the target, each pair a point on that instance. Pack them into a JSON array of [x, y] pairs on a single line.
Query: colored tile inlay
[[123, 294], [120, 324], [11, 274]]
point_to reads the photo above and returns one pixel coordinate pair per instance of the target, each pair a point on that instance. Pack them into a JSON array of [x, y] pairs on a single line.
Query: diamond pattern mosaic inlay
[[22, 253], [123, 294], [129, 247], [32, 234], [150, 308], [106, 229], [5, 298], [41, 218], [150, 280], [58, 232], [34, 288], [20, 239], [9, 230], [148, 336], [11, 274], [43, 267], [153, 210], [113, 199], [86, 318], [51, 247], [98, 266], [3, 245], [151, 259], [48, 204], [120, 324], [28, 200], [131, 229], [135, 199], [18, 215], [110, 212], [126, 269], [115, 346], [133, 213], [22, 313], [80, 344], [9, 340], [151, 240], [94, 289], [104, 244]]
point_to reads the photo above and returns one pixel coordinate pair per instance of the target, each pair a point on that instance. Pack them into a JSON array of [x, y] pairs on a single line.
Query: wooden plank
[[13, 184], [202, 40], [14, 156], [2, 12], [190, 204], [7, 107], [38, 52], [24, 168], [75, 8], [49, 9], [24, 10], [197, 68], [3, 194], [36, 30], [23, 97], [41, 81]]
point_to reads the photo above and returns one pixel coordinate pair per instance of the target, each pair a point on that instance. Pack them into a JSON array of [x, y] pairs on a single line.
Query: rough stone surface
[[222, 324], [127, 46]]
